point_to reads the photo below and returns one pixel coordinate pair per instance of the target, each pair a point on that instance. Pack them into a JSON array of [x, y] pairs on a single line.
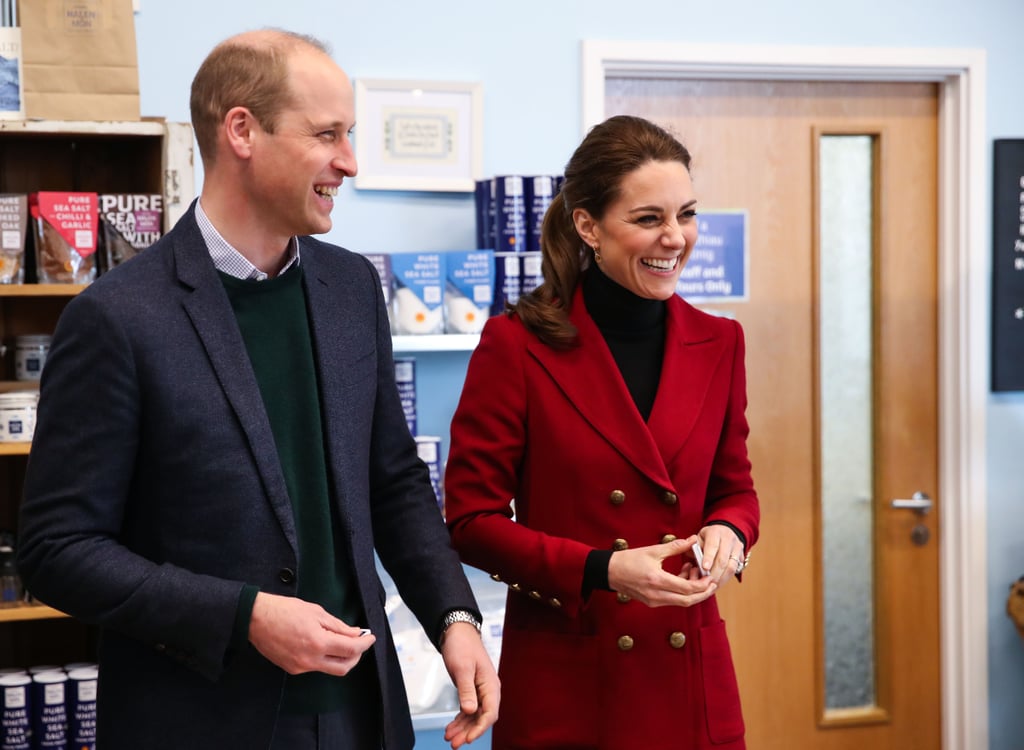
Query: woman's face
[[646, 235]]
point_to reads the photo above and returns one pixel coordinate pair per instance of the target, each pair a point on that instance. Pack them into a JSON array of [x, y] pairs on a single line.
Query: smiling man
[[221, 451]]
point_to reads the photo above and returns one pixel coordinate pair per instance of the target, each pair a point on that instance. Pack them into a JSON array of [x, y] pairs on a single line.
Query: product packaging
[[129, 223], [65, 233]]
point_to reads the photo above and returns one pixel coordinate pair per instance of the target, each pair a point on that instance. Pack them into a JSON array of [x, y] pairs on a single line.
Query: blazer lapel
[[344, 331], [214, 320], [691, 355], [589, 378]]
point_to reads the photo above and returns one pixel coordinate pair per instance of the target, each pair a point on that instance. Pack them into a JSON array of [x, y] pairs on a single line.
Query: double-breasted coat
[[154, 492], [557, 431]]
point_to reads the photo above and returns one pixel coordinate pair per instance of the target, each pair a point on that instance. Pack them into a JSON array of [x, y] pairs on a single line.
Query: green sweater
[[274, 324]]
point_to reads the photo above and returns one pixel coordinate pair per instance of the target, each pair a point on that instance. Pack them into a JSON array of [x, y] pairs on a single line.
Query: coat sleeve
[[488, 441], [730, 495]]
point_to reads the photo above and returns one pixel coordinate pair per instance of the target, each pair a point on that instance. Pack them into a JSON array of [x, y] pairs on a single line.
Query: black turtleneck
[[634, 329]]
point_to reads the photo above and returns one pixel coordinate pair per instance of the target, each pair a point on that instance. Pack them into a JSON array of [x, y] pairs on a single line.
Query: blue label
[[405, 379], [510, 213], [717, 268], [508, 282], [539, 193]]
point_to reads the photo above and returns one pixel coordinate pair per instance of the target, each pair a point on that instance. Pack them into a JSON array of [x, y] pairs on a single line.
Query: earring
[[597, 254]]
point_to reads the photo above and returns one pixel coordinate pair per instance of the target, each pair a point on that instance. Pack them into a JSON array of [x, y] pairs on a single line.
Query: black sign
[[1008, 265]]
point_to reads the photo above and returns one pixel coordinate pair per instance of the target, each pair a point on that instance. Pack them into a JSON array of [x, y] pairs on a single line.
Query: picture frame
[[418, 135]]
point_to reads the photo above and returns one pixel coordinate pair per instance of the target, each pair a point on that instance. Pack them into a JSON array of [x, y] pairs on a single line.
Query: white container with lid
[[30, 356], [18, 416]]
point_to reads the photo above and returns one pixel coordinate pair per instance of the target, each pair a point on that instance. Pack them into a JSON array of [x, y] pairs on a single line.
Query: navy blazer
[[154, 491]]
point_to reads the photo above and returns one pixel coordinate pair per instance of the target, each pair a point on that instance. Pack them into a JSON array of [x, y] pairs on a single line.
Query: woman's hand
[[723, 552], [638, 573]]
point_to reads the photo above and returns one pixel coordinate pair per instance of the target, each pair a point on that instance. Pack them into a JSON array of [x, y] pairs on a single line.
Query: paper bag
[[79, 59]]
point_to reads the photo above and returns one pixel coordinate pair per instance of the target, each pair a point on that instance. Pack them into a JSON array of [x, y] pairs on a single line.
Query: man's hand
[[475, 680], [300, 636]]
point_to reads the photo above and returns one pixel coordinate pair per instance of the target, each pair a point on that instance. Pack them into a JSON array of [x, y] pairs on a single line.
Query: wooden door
[[755, 146]]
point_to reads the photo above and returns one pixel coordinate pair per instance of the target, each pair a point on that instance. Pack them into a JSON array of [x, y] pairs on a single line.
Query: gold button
[[515, 587], [625, 643], [617, 497], [620, 544], [668, 538], [534, 595], [677, 640], [495, 577], [623, 598], [669, 498], [554, 603]]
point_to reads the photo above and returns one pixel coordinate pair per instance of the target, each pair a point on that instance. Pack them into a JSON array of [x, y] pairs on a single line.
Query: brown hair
[[248, 70], [593, 178]]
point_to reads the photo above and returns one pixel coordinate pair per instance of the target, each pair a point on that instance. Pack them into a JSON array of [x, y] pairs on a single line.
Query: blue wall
[[527, 54]]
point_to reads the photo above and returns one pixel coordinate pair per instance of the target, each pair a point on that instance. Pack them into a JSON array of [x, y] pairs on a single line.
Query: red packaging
[[65, 233]]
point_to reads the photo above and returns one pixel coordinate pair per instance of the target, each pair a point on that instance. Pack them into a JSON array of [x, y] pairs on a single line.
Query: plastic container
[[18, 416], [30, 356]]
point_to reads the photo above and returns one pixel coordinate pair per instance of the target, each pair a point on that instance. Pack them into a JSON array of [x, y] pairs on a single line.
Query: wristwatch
[[459, 615]]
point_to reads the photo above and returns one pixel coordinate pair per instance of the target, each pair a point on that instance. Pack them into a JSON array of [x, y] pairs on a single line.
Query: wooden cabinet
[[149, 156]]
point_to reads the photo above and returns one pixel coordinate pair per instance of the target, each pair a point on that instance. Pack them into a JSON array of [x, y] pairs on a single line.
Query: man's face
[[296, 171]]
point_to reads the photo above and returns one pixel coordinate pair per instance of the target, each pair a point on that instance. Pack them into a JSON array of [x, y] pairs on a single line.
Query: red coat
[[558, 432]]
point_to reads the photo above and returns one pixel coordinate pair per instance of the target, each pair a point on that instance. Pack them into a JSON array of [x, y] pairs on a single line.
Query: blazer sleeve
[[408, 531]]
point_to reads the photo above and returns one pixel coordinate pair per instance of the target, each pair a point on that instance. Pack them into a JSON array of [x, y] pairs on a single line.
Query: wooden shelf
[[40, 290], [14, 449], [63, 128], [24, 612]]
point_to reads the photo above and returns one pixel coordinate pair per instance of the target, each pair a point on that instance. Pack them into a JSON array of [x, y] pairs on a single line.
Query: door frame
[[962, 300]]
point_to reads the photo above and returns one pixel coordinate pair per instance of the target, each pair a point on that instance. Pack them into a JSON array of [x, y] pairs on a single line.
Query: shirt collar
[[227, 259]]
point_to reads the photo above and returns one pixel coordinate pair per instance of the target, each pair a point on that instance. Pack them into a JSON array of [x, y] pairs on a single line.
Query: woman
[[612, 412]]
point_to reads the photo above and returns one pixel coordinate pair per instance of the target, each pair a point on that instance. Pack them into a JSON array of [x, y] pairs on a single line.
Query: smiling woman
[[612, 412]]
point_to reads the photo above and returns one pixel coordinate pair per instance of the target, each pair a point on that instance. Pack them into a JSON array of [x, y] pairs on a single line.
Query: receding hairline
[[277, 39]]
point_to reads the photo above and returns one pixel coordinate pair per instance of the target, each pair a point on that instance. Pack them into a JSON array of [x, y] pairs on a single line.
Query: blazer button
[[515, 587], [669, 498], [554, 603], [623, 598], [620, 544], [625, 642], [495, 577], [286, 575], [668, 538], [617, 497], [535, 595], [677, 640]]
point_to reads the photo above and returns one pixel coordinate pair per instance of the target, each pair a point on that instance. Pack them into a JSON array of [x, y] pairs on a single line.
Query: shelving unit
[[148, 156]]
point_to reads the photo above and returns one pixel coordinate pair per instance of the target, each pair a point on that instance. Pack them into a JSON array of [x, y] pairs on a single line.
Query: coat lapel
[[210, 312], [690, 361], [589, 378], [591, 381]]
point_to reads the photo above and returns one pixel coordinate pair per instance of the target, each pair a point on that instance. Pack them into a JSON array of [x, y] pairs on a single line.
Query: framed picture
[[418, 135]]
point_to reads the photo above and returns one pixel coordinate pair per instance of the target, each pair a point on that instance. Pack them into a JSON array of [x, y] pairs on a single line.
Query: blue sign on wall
[[717, 268]]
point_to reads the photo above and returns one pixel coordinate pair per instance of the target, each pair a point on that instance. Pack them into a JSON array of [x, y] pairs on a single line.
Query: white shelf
[[441, 342]]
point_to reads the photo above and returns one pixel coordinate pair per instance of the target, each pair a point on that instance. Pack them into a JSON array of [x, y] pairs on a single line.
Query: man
[[220, 449]]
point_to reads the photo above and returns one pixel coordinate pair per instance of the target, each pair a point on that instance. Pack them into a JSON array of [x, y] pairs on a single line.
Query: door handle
[[919, 502]]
